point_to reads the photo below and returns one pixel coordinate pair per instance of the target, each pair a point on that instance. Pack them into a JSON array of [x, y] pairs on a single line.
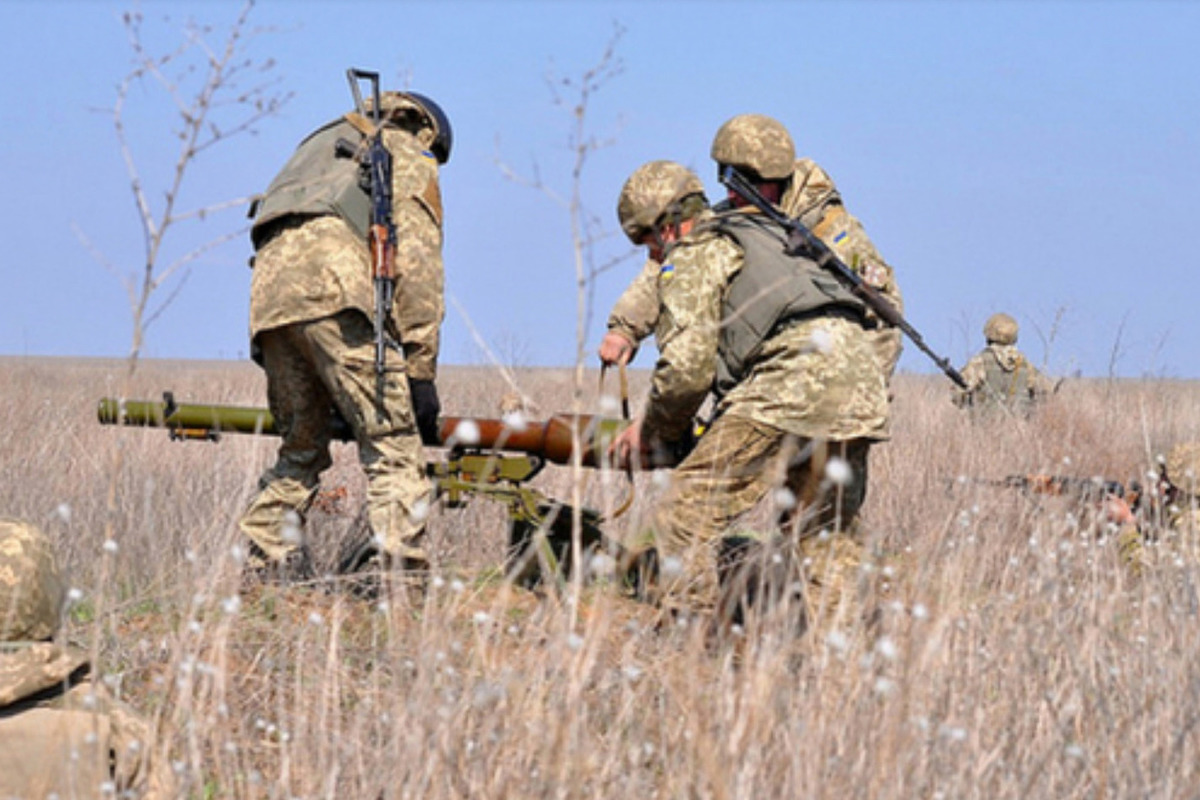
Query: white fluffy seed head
[[609, 405], [671, 567], [602, 565], [292, 531], [838, 471], [784, 498], [822, 340], [467, 432], [515, 421], [420, 510]]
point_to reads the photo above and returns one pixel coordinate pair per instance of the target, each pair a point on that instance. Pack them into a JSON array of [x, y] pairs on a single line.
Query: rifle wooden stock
[[552, 439]]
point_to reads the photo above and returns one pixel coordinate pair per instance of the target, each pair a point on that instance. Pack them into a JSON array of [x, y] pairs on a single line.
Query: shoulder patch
[[429, 155], [666, 272], [841, 237]]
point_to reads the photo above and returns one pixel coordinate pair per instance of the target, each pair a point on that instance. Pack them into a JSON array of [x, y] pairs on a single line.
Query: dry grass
[[1015, 658]]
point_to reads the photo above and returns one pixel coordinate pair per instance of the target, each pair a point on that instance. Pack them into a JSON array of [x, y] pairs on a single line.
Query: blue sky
[[1037, 158]]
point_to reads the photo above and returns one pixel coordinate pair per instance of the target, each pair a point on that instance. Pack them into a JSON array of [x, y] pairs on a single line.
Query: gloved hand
[[427, 408]]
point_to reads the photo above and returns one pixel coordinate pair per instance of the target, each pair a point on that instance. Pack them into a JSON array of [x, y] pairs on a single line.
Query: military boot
[[366, 569], [756, 578], [260, 569]]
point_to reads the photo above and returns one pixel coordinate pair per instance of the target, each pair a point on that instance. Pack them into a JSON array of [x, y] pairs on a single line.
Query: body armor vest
[[318, 180], [772, 288], [1002, 386]]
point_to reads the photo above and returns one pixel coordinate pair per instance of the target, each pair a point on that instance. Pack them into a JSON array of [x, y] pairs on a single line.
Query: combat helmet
[[757, 144], [651, 192], [31, 588], [1183, 468], [396, 105], [1000, 329]]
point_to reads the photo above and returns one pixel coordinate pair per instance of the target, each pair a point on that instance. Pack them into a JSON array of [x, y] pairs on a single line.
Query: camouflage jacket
[[813, 198], [1000, 375], [315, 267], [817, 378], [636, 310], [62, 734]]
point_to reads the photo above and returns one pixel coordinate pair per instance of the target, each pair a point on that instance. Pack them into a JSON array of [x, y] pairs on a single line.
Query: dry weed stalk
[[575, 94]]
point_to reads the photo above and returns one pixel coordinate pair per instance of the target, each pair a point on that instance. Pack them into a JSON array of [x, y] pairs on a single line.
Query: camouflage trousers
[[735, 466], [314, 369]]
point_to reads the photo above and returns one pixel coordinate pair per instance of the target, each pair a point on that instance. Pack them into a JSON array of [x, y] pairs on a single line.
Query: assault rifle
[[802, 241], [1085, 490], [381, 235], [479, 461]]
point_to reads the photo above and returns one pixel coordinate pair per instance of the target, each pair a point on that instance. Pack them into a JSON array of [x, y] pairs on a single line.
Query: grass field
[[1015, 658]]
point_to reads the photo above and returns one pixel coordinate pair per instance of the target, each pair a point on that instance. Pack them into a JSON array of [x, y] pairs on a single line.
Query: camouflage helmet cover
[[31, 588], [1183, 467], [650, 192], [1000, 329], [395, 104], [757, 143]]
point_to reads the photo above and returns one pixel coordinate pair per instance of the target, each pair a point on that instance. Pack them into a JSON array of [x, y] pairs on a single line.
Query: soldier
[[1183, 493], [1168, 513], [806, 192], [61, 734], [1000, 376], [311, 310], [1174, 503], [800, 396]]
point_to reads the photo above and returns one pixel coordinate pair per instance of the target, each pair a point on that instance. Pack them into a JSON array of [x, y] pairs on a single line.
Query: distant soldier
[[1174, 504], [61, 734], [808, 193], [800, 396], [1168, 513], [1183, 478], [1000, 376], [311, 328]]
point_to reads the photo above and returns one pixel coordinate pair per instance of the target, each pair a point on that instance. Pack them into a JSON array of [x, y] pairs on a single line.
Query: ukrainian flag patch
[[841, 237], [666, 272], [429, 155]]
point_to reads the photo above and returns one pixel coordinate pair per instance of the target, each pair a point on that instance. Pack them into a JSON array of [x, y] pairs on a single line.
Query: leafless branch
[[1118, 349], [101, 259], [166, 272], [154, 314], [217, 91]]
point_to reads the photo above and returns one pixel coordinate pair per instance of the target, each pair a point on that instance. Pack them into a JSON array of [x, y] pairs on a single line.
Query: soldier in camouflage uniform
[[1000, 376], [799, 394], [1183, 472], [810, 195], [1175, 503], [61, 734], [311, 310], [1170, 509]]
